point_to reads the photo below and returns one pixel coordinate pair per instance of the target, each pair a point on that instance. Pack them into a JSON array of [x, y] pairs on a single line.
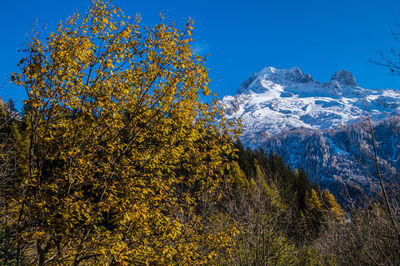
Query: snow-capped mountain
[[316, 125]]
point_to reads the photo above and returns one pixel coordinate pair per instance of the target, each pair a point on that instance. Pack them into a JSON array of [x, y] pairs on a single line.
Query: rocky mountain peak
[[345, 78], [312, 124], [275, 100], [284, 76], [307, 122], [269, 75]]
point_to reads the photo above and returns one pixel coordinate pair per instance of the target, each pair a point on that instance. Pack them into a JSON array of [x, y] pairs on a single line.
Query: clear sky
[[241, 37]]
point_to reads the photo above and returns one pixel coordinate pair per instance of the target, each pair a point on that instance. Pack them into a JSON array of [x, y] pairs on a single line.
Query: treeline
[[304, 224], [279, 212]]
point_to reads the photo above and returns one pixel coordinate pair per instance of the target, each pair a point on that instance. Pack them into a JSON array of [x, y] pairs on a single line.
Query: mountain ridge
[[287, 99], [318, 125]]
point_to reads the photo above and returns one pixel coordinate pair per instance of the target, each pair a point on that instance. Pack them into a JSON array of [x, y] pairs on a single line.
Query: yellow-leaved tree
[[118, 152], [332, 205]]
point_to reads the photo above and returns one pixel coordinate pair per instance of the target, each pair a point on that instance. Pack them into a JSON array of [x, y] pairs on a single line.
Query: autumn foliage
[[116, 159], [118, 149]]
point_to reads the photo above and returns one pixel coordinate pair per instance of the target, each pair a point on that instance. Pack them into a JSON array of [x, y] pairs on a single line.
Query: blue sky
[[241, 37]]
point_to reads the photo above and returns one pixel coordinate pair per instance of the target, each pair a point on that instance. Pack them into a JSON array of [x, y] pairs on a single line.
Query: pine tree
[[314, 214], [312, 201], [332, 205]]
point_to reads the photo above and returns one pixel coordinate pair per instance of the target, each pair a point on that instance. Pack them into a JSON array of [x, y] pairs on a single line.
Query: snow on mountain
[[305, 121]]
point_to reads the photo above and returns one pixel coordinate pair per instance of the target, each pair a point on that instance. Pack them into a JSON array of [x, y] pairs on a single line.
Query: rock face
[[318, 126], [345, 78]]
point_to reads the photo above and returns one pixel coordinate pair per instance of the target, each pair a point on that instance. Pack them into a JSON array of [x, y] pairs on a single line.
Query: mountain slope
[[316, 125]]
